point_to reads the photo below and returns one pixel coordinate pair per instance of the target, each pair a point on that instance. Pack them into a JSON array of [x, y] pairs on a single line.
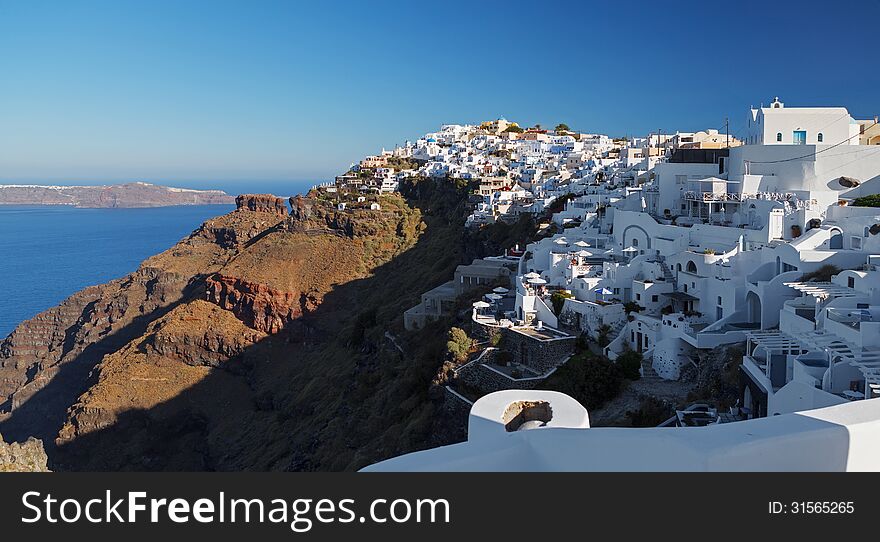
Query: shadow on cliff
[[329, 392], [42, 414]]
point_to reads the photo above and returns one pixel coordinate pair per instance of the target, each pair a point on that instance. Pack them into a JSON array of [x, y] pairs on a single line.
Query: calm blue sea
[[49, 252]]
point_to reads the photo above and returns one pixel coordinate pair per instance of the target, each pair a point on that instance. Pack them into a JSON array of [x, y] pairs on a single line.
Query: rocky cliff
[[23, 457], [264, 203], [118, 195], [258, 342]]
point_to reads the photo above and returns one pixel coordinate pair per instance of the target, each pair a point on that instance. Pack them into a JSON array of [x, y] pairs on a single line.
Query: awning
[[680, 296]]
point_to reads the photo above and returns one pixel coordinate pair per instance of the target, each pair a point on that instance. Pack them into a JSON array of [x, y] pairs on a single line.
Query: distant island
[[129, 195]]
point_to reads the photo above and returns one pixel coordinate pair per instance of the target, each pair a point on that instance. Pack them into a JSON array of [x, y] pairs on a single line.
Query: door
[[799, 137]]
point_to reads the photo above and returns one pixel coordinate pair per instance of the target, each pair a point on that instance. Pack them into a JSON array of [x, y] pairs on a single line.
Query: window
[[655, 298], [638, 297], [635, 242], [779, 136], [719, 300], [820, 137], [851, 282], [857, 243]]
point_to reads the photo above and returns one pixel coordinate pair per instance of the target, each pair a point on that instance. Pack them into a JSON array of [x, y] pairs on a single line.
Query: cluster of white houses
[[672, 244]]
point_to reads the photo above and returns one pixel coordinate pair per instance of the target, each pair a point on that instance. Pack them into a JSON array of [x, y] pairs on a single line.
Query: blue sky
[[266, 90]]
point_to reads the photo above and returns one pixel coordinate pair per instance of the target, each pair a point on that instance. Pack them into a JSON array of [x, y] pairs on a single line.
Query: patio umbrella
[[603, 291], [537, 281], [494, 297], [501, 290], [481, 305], [582, 244], [532, 275]]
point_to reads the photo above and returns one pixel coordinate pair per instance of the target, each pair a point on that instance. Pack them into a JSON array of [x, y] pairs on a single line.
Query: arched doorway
[[836, 241], [754, 304]]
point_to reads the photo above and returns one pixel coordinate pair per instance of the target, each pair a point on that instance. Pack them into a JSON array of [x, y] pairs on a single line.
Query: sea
[[49, 252]]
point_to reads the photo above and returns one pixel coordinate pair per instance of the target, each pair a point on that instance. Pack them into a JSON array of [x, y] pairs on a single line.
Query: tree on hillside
[[562, 127], [514, 128], [630, 362], [602, 338], [558, 300], [459, 344]]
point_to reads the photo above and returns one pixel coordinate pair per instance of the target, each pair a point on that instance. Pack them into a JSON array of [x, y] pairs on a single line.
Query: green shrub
[[630, 362], [651, 413], [592, 380], [582, 342], [602, 338], [632, 306], [459, 344], [557, 299], [868, 201], [823, 274]]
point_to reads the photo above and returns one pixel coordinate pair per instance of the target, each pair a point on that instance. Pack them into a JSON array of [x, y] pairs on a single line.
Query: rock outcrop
[[257, 305], [261, 203], [27, 456]]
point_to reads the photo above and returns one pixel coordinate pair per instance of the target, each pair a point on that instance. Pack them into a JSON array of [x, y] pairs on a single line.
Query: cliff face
[[259, 306], [263, 203], [25, 457], [256, 343]]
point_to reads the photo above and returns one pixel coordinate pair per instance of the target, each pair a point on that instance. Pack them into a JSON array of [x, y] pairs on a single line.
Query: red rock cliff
[[263, 203]]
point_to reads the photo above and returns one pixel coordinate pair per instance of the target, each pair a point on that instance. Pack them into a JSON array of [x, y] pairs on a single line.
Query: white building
[[779, 125]]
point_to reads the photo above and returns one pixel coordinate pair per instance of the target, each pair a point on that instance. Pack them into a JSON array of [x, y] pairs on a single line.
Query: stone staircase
[[668, 275], [648, 372]]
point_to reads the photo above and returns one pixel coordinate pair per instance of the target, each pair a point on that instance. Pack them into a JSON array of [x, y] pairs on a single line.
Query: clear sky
[[188, 90]]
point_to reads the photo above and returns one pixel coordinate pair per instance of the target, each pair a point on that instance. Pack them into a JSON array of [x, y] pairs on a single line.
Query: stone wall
[[539, 355], [483, 332], [456, 408], [484, 378]]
